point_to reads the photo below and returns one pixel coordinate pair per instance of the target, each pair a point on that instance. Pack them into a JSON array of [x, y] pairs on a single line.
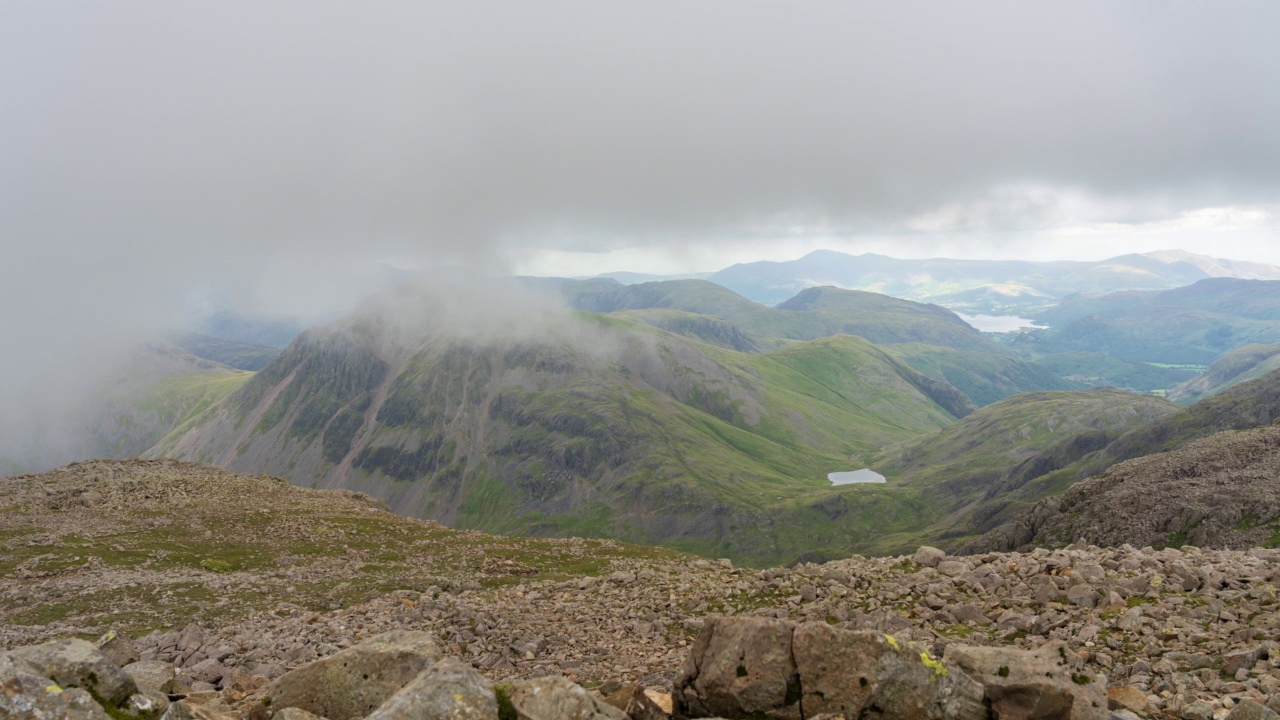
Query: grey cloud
[[152, 149], [451, 128]]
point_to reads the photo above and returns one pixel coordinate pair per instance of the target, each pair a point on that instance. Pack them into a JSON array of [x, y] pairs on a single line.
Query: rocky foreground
[[237, 582]]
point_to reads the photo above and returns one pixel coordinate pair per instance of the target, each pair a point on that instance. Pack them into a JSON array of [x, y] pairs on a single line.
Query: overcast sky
[[141, 139], [157, 157]]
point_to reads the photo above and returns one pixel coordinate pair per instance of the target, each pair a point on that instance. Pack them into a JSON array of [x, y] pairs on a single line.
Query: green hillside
[[1095, 369], [1240, 365], [973, 455], [984, 376], [602, 425]]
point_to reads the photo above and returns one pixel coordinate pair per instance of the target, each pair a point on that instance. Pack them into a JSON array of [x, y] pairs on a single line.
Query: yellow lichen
[[933, 664], [53, 690], [892, 642]]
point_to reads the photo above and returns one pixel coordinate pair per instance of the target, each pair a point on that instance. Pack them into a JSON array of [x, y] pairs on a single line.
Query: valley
[[679, 413]]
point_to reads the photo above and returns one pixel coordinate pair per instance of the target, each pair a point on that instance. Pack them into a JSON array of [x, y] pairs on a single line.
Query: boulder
[[854, 672], [356, 681], [147, 704], [449, 689], [118, 648], [637, 704], [1249, 710], [1083, 595], [737, 667], [1128, 697], [1240, 660], [1049, 682], [25, 695], [76, 663], [208, 670], [928, 556], [558, 698]]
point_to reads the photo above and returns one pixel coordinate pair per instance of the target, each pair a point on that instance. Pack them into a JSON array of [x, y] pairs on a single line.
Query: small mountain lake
[[865, 475], [997, 323]]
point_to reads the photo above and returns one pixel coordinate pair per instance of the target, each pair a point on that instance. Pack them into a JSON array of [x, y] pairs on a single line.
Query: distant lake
[[865, 475], [998, 323]]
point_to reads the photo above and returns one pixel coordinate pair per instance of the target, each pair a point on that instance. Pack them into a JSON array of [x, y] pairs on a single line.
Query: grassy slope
[[1240, 365], [350, 546], [982, 455], [1098, 370], [985, 377], [636, 434]]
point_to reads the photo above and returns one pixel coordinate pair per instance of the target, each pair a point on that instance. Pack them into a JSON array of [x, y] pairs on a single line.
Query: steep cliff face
[[593, 424]]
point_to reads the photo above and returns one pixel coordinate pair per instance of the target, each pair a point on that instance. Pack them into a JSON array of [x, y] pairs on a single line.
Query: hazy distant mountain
[[814, 313], [264, 331], [631, 278], [1193, 324], [238, 355], [929, 338], [1220, 267], [1000, 286]]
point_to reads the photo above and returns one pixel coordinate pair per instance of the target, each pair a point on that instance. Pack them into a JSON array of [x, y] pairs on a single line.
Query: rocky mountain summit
[[233, 583]]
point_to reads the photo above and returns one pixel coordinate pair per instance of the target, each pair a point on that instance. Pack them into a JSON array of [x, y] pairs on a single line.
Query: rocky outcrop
[[737, 668], [1222, 491], [769, 668], [1187, 632]]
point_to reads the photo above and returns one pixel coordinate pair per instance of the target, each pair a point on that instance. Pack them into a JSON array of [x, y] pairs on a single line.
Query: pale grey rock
[[118, 648], [448, 690], [740, 666], [354, 682], [1048, 682], [76, 663], [928, 556], [558, 698], [848, 672]]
